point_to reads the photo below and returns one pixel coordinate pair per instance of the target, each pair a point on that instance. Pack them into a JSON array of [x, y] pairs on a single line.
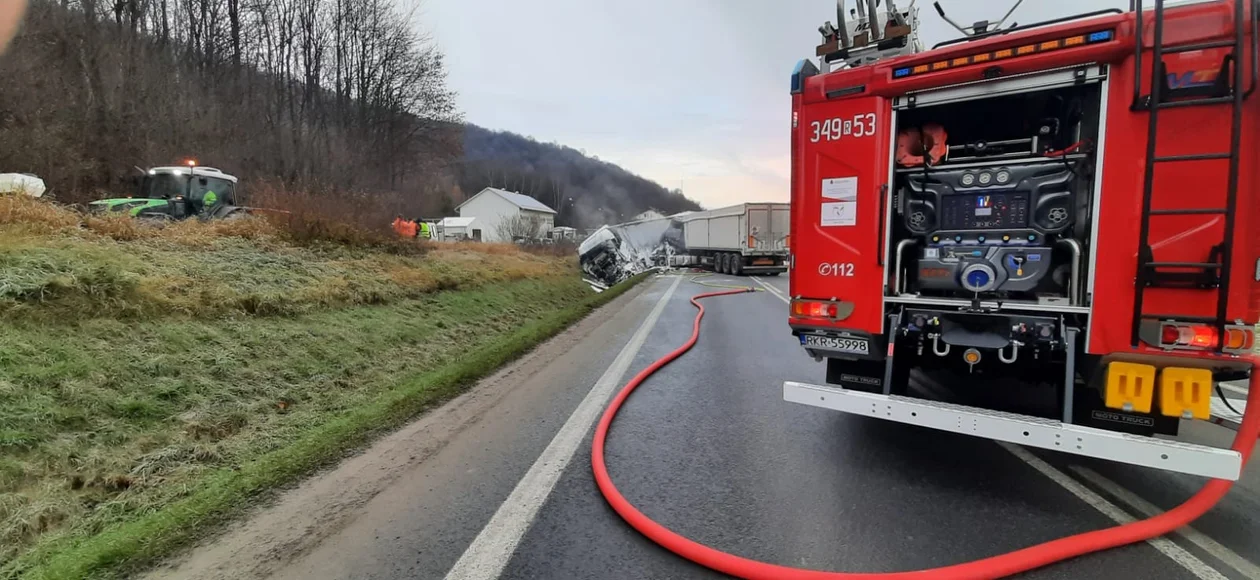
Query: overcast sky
[[688, 93]]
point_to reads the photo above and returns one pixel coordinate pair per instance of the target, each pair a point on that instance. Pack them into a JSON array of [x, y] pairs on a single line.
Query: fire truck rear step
[[1026, 430]]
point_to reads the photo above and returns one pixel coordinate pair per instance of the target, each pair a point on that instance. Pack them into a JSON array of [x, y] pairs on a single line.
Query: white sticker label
[[840, 188], [839, 201], [839, 213]]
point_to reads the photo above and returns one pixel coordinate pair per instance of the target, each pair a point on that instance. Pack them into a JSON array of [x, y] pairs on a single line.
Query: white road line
[[771, 289], [1167, 547], [1178, 554], [490, 551], [1234, 388], [1145, 508]]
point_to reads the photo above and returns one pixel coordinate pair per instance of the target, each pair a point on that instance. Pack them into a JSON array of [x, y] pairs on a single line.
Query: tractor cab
[[176, 193]]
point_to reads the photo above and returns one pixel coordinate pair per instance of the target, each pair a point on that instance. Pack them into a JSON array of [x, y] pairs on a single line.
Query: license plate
[[849, 345]]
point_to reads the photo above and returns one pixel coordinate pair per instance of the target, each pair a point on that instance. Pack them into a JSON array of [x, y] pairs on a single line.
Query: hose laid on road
[[698, 280], [993, 567]]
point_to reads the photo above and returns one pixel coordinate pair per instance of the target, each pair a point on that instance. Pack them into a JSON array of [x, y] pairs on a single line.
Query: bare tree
[[311, 92], [519, 227]]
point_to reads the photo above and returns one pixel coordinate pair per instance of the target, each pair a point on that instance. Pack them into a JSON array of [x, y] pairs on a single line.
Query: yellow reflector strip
[[960, 61], [1004, 53], [1025, 49], [1049, 45], [939, 65], [1073, 41]]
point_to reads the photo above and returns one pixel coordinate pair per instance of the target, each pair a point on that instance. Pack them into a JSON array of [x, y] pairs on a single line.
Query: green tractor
[[177, 193]]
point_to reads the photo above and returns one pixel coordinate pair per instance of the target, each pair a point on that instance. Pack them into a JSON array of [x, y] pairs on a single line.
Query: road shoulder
[[297, 521]]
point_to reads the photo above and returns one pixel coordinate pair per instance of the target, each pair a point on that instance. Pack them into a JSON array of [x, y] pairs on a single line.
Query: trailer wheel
[[737, 264], [719, 263]]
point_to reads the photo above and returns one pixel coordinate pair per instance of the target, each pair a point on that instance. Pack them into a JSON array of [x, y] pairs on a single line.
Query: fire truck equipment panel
[[1034, 196]]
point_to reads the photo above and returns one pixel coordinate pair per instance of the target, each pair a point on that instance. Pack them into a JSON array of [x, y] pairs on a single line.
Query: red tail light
[[1169, 334], [812, 309], [1238, 339], [1196, 336]]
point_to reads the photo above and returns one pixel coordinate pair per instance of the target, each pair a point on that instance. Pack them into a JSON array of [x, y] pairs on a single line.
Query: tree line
[[339, 93], [313, 96]]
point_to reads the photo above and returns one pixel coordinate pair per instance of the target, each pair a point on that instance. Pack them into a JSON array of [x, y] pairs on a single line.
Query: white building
[[563, 233], [500, 215], [459, 228], [650, 214]]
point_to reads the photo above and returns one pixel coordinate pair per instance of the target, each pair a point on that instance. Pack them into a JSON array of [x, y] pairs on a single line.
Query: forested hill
[[586, 191], [317, 105]]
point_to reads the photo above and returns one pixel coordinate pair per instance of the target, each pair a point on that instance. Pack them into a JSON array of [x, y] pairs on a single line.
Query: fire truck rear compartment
[[990, 239], [1002, 211]]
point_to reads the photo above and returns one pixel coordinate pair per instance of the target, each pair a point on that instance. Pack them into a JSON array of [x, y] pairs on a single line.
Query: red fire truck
[[1061, 219]]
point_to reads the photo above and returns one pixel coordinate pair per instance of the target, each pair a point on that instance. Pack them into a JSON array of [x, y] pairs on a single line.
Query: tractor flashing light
[[1005, 53]]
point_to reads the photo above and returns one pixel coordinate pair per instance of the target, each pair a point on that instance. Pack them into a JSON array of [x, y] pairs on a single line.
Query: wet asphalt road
[[708, 448]]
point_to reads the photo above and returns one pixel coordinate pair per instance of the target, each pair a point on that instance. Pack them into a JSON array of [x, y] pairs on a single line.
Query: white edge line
[[1178, 554], [1233, 388], [1167, 547], [1147, 509], [771, 289], [489, 552]]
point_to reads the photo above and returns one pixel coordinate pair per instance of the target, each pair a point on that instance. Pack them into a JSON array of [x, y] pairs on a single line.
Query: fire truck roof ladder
[[1215, 273], [860, 38]]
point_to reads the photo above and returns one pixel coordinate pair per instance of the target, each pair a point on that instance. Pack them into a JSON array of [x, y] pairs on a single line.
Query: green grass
[[124, 442], [52, 277], [155, 380]]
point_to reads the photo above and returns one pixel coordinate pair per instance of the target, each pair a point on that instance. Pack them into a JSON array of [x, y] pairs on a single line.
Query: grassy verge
[[149, 530], [154, 380], [56, 264]]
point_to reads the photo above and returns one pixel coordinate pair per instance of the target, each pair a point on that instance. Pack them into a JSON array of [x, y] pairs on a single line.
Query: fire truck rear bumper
[[1026, 430]]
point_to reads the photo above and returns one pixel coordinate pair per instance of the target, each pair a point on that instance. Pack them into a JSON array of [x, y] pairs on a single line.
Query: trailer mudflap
[[837, 204]]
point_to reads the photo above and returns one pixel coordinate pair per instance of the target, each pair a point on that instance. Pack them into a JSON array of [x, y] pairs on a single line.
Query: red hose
[[993, 567]]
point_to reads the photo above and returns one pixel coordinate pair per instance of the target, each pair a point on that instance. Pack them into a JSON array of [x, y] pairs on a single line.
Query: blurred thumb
[[10, 16]]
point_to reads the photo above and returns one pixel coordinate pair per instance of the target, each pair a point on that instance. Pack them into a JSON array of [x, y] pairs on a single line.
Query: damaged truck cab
[[1070, 206]]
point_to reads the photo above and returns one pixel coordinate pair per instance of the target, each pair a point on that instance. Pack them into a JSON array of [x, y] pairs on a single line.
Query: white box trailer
[[741, 239]]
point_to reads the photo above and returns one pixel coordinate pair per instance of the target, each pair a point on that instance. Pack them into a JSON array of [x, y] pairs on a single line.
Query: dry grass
[[315, 216], [35, 215], [144, 363], [55, 262]]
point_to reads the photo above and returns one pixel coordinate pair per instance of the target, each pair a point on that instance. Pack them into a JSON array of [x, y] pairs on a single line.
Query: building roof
[[521, 201], [457, 222]]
